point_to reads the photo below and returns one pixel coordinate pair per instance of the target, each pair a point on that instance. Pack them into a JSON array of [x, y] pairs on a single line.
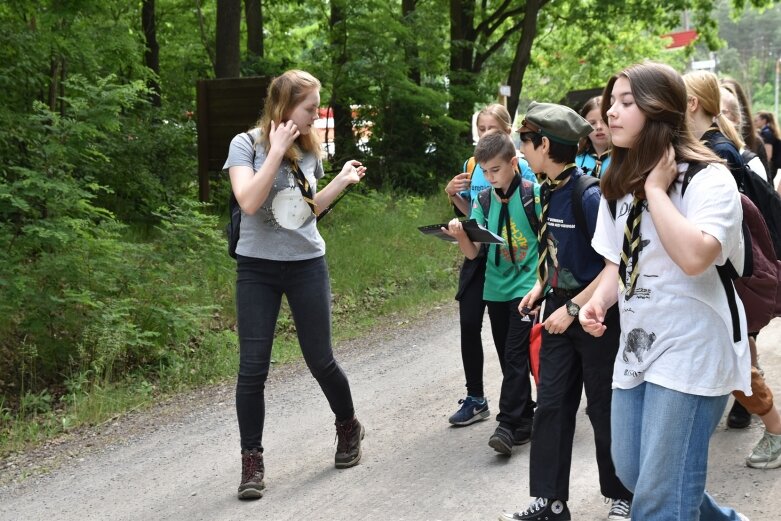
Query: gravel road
[[180, 459]]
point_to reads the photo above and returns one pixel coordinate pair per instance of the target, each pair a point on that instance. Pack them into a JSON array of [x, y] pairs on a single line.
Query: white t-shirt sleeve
[[713, 205], [607, 238]]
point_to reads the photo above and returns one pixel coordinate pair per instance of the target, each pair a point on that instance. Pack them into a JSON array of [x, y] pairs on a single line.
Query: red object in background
[[681, 38]]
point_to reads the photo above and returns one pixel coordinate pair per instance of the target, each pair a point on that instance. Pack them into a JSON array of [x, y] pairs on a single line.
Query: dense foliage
[[108, 268]]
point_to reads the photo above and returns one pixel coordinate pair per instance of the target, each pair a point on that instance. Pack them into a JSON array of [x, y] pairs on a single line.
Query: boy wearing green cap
[[570, 358]]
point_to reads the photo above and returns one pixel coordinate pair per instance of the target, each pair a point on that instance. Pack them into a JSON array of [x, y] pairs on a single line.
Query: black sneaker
[[541, 509], [502, 441], [738, 417], [252, 472], [523, 434], [348, 443]]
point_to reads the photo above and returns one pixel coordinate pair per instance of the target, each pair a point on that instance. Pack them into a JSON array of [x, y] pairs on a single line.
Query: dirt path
[[180, 461]]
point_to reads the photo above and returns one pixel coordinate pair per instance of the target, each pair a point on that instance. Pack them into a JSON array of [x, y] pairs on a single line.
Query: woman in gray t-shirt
[[274, 169]]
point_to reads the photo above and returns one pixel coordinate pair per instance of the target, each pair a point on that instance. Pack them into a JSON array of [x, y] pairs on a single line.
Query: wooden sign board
[[225, 107]]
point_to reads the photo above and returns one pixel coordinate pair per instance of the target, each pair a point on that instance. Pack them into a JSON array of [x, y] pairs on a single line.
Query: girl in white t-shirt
[[678, 360]]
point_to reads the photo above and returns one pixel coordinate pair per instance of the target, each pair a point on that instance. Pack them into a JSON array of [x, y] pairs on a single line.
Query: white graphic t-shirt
[[676, 330]]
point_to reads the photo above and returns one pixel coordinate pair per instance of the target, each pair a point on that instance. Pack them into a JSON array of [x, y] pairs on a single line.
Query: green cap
[[556, 122]]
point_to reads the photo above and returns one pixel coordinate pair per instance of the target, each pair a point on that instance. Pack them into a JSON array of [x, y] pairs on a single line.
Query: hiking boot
[[767, 453], [252, 472], [523, 434], [348, 446], [738, 417], [541, 509], [472, 409], [619, 509], [502, 441]]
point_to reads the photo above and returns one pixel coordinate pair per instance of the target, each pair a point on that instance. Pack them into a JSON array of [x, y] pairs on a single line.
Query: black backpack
[[234, 223], [762, 194]]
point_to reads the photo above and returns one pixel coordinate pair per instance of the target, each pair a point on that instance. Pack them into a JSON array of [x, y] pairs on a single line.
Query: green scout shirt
[[506, 281]]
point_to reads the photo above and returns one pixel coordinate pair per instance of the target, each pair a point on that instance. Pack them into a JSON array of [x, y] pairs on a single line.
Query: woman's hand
[[353, 171], [558, 321], [592, 318], [458, 184], [664, 173], [283, 136]]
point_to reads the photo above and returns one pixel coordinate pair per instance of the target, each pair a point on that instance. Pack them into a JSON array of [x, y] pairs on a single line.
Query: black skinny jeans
[[471, 308], [260, 284]]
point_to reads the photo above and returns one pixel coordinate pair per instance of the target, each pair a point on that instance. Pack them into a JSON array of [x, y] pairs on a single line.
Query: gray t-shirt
[[284, 227]]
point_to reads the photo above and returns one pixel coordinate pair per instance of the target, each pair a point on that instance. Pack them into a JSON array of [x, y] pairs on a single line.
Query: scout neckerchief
[[504, 217], [631, 249], [548, 186], [304, 186]]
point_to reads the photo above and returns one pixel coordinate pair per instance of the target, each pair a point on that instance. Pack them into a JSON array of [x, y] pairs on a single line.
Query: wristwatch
[[572, 308]]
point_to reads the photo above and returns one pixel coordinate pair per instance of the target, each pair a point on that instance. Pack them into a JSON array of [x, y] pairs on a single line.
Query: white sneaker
[[767, 453]]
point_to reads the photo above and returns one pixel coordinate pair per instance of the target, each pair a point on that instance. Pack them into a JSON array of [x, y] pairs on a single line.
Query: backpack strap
[[582, 184], [727, 272]]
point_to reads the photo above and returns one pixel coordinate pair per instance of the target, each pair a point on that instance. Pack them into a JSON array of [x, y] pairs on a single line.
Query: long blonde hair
[[285, 92], [704, 86]]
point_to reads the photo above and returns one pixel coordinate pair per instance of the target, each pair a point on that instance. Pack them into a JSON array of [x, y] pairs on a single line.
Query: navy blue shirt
[[572, 262]]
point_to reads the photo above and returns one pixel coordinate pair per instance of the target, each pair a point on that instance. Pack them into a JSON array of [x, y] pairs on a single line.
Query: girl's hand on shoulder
[[283, 136], [664, 173], [353, 171]]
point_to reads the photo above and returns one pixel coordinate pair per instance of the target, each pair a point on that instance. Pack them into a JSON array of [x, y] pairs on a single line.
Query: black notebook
[[475, 232]]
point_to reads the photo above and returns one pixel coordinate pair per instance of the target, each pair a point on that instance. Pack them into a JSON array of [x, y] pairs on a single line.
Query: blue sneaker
[[472, 410]]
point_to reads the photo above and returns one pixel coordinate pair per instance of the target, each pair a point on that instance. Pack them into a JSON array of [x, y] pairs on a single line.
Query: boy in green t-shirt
[[510, 274]]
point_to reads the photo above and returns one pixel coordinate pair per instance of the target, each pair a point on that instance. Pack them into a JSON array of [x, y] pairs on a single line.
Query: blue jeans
[[660, 450], [260, 284]]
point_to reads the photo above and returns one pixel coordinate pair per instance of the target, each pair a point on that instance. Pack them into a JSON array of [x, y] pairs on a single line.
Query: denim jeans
[[260, 284], [660, 450]]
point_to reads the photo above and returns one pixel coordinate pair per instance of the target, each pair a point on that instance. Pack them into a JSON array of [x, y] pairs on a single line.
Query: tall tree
[[228, 58], [411, 51], [253, 14], [344, 139], [152, 50]]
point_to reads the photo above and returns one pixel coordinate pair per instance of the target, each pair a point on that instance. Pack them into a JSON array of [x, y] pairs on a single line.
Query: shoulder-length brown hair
[[285, 92], [660, 94]]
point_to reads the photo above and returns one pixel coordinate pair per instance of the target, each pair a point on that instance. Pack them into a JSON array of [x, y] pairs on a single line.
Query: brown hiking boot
[[252, 472], [348, 447]]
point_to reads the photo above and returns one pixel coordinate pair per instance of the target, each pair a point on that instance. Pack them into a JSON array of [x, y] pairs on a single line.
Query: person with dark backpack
[[570, 360], [462, 191], [723, 139], [672, 377], [768, 130], [274, 170], [510, 209]]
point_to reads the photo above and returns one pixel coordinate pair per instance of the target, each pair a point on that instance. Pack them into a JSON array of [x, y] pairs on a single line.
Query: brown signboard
[[225, 107]]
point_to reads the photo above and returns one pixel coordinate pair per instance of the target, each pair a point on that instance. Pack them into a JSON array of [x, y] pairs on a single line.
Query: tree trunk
[[523, 54], [344, 139], [411, 53], [253, 13], [152, 52], [228, 59], [462, 39]]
